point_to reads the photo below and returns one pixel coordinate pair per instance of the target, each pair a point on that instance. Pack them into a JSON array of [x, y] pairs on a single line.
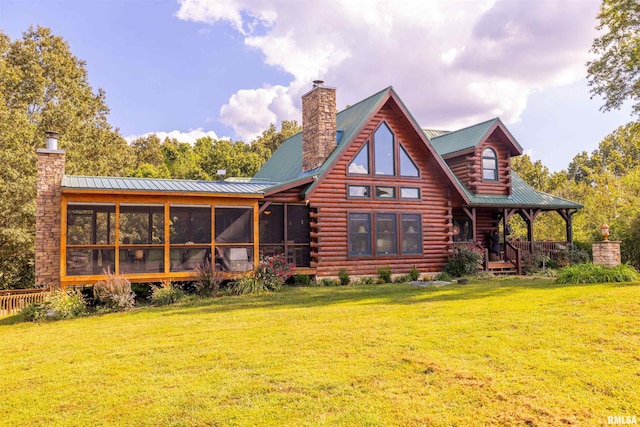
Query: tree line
[[43, 86]]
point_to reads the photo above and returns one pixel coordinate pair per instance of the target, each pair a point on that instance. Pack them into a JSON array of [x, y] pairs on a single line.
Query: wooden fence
[[14, 300]]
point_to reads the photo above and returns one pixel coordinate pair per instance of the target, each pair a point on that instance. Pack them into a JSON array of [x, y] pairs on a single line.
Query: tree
[[615, 74], [43, 86], [271, 138]]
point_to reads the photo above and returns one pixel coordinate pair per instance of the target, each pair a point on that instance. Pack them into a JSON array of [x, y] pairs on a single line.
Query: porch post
[[471, 213]]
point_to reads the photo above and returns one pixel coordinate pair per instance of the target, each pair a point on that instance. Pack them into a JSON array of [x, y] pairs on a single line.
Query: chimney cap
[[52, 139], [318, 83]]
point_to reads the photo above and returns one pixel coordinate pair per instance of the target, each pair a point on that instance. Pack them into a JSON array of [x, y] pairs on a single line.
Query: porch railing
[[513, 254], [15, 300], [550, 249]]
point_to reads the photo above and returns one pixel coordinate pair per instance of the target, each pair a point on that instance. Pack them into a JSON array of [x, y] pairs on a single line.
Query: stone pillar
[[607, 253], [318, 125], [49, 216]]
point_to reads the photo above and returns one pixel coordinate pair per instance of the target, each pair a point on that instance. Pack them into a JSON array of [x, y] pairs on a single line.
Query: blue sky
[[230, 68]]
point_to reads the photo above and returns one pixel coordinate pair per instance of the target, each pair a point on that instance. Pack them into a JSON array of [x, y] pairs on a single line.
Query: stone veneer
[[606, 253], [49, 216], [318, 126]]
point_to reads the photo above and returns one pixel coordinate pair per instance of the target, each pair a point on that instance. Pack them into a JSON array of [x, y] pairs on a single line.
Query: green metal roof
[[522, 195], [286, 162], [468, 138], [164, 185], [434, 133]]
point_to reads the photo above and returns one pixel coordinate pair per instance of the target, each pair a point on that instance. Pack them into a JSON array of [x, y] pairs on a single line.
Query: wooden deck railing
[[513, 254], [15, 300]]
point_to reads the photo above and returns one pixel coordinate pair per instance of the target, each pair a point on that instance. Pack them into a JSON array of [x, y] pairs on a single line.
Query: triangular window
[[384, 157], [360, 163], [407, 167]]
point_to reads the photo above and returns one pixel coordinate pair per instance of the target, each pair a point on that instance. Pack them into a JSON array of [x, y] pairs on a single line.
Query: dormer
[[479, 155]]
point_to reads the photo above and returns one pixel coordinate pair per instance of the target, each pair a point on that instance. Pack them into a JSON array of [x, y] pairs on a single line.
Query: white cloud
[[191, 137], [453, 62]]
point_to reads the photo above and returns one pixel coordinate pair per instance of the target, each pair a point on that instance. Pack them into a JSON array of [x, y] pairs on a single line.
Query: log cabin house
[[359, 189]]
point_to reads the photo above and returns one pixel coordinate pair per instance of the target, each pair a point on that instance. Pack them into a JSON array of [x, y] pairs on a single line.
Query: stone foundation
[[606, 253], [49, 216]]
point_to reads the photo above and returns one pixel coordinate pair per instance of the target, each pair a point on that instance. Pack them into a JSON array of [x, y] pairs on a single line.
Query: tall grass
[[595, 273]]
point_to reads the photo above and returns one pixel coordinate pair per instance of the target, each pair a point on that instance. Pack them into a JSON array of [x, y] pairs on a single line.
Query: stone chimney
[[49, 212], [318, 125]]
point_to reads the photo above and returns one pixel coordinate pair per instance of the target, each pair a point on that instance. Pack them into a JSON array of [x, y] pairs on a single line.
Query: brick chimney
[[318, 125], [49, 212]]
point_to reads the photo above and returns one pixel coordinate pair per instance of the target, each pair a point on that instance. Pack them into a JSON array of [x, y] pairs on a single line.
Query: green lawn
[[509, 352]]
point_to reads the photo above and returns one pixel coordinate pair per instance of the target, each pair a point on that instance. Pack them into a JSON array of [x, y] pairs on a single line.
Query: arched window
[[489, 165]]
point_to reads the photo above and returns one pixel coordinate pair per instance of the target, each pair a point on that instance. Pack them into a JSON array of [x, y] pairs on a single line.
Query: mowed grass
[[509, 352]]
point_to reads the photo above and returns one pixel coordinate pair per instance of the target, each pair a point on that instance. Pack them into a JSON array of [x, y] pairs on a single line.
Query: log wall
[[331, 205]]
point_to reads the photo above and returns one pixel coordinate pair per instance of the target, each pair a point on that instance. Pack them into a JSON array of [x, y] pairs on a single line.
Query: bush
[[414, 274], [60, 305], [533, 263], [572, 255], [115, 293], [301, 280], [325, 281], [161, 295], [366, 281], [463, 261], [343, 275], [402, 279], [246, 285], [592, 273], [273, 271], [384, 274], [208, 279]]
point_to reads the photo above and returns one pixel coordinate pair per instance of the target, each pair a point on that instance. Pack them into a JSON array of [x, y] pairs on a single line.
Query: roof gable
[[466, 140]]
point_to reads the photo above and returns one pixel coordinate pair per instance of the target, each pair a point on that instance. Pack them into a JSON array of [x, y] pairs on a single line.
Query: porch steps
[[502, 267]]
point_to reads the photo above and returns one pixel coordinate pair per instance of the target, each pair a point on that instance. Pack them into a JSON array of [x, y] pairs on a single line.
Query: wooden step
[[502, 267]]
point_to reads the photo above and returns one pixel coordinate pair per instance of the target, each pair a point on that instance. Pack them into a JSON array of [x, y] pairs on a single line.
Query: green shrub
[[208, 279], [60, 305], [301, 280], [571, 255], [273, 271], [593, 273], [246, 285], [115, 293], [325, 281], [384, 274], [143, 291], [366, 281], [443, 276], [533, 263], [161, 295], [414, 274], [463, 261], [402, 279], [343, 275]]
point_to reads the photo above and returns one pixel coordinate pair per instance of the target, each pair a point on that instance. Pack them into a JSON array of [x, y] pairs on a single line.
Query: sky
[[230, 68]]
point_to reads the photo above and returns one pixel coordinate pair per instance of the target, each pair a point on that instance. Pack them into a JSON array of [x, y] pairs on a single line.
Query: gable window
[[360, 191], [360, 163], [407, 167], [489, 165], [409, 193], [384, 153], [385, 192]]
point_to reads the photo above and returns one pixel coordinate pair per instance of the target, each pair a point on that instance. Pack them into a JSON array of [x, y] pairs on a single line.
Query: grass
[[510, 352]]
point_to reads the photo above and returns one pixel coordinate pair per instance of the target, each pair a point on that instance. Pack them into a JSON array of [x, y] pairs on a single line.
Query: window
[[363, 191], [384, 157], [359, 234], [489, 165], [360, 163], [407, 167], [384, 236], [409, 193], [411, 232], [385, 192], [386, 242]]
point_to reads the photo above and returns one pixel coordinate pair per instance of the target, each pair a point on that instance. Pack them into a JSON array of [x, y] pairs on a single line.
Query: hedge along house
[[360, 189]]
